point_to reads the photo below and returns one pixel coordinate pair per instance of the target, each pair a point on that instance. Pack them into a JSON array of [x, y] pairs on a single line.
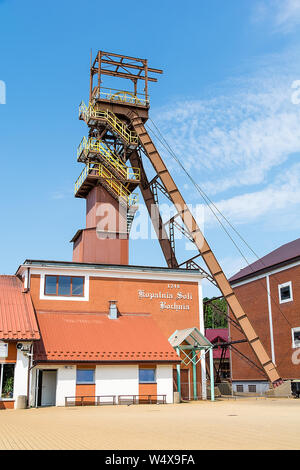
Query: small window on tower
[[296, 337], [285, 292]]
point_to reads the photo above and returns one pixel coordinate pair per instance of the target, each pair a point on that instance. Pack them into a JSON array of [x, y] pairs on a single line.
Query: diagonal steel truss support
[[154, 213], [204, 250]]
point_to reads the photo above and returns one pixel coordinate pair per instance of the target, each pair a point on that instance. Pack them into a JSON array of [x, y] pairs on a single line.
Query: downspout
[[270, 319], [30, 367]]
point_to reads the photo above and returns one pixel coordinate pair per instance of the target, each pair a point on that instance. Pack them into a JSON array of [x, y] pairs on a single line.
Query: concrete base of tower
[[92, 246]]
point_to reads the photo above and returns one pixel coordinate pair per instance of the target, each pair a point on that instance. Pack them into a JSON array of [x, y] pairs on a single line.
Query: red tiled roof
[[95, 337], [282, 255], [217, 335], [17, 317]]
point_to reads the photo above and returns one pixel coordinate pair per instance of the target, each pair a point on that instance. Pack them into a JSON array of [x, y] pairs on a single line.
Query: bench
[[97, 400], [141, 399], [86, 400]]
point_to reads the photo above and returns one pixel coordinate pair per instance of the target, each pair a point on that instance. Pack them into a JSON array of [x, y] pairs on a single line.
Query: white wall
[[110, 380], [65, 383], [21, 374], [117, 380], [164, 378]]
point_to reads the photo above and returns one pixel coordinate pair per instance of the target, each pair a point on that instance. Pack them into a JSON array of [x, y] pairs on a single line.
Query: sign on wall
[[169, 300], [3, 349]]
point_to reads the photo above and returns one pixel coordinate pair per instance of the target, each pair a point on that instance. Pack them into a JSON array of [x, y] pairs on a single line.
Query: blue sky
[[223, 103]]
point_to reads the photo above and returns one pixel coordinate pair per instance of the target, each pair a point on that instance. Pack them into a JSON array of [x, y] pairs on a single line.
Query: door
[[48, 388], [184, 383]]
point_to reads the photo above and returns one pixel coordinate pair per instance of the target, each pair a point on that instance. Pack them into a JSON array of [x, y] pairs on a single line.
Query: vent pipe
[[113, 310]]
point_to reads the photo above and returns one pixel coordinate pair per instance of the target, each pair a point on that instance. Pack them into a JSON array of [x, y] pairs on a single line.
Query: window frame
[[71, 284], [148, 381], [280, 286], [85, 382], [2, 364], [296, 329]]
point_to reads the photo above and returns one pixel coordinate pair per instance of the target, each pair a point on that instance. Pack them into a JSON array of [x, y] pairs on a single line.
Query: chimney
[[113, 310]]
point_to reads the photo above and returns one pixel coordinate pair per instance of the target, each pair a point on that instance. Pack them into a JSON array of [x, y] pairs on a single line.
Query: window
[[7, 372], [252, 388], [147, 376], [240, 388], [85, 376], [64, 286], [296, 337], [285, 292]]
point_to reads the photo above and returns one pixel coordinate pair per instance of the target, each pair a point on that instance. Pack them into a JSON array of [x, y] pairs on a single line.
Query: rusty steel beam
[[123, 75], [205, 250], [154, 213], [130, 66]]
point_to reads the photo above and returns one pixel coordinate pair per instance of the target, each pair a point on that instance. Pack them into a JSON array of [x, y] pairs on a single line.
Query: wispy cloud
[[236, 138], [270, 201], [57, 195], [282, 15]]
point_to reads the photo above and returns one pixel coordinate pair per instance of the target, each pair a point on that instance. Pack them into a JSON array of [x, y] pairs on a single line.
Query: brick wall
[[253, 298]]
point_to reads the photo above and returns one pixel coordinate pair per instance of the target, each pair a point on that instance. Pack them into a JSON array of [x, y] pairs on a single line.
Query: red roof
[[282, 255], [95, 337], [17, 317], [218, 335]]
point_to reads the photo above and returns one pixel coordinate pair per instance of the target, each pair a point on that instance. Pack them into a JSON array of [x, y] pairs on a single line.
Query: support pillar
[[178, 376], [212, 381], [195, 374]]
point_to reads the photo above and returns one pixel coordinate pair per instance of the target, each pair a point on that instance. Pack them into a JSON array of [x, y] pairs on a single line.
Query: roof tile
[[17, 317], [99, 338]]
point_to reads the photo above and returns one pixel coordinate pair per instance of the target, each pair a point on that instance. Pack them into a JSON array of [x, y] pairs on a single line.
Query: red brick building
[[269, 291]]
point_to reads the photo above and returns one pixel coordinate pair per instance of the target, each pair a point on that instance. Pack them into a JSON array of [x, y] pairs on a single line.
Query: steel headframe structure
[[118, 118]]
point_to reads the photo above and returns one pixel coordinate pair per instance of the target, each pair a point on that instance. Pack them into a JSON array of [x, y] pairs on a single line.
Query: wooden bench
[[141, 399], [86, 400], [98, 400]]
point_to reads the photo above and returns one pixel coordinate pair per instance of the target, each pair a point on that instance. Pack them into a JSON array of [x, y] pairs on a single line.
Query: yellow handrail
[[90, 112], [96, 169], [96, 145]]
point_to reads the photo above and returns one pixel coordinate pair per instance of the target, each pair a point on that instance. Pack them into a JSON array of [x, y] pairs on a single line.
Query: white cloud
[[236, 139], [283, 193], [284, 15]]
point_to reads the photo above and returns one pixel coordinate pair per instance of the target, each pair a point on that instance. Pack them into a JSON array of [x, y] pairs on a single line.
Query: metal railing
[[123, 96], [119, 126], [100, 171], [97, 146]]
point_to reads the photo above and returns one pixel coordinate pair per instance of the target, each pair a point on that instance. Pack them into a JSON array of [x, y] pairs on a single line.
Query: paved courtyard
[[226, 424]]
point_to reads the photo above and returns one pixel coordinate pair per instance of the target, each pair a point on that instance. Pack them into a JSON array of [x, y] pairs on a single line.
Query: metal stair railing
[[119, 126], [96, 145], [118, 189]]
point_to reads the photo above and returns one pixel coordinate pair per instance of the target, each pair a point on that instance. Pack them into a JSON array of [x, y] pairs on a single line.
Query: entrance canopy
[[191, 346], [190, 337]]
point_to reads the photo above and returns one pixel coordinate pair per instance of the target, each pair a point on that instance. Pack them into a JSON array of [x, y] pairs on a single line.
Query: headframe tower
[[112, 154]]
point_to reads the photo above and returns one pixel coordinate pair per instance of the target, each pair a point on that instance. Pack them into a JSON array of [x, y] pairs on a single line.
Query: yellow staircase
[[89, 113], [95, 171], [89, 148]]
